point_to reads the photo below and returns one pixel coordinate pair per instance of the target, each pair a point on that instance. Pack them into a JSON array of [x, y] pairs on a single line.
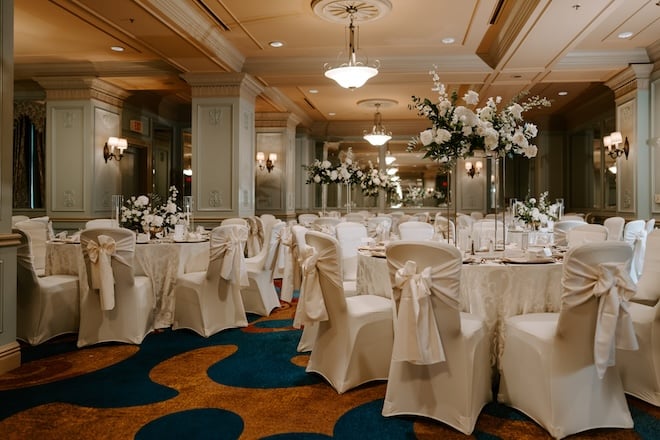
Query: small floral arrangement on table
[[536, 212], [373, 180], [167, 214], [458, 130], [134, 212], [414, 196]]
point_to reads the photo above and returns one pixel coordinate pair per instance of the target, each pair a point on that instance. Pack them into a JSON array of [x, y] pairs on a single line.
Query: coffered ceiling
[[500, 47]]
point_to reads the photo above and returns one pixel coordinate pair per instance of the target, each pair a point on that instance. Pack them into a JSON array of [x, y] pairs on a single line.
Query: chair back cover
[[416, 231], [614, 227], [326, 224], [650, 224], [634, 233], [648, 286], [255, 236], [444, 228], [350, 236], [379, 227], [586, 233], [18, 218], [425, 281], [307, 219], [226, 260], [234, 221], [354, 217], [38, 233], [562, 227], [593, 319]]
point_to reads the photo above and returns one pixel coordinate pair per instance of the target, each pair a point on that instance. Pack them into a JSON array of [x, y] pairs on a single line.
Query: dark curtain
[[29, 155]]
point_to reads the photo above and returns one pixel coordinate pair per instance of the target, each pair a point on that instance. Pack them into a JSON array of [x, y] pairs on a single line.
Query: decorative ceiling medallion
[[364, 10]]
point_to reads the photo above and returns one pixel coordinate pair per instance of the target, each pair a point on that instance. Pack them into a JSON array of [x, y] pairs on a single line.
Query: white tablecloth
[[163, 262], [493, 291]]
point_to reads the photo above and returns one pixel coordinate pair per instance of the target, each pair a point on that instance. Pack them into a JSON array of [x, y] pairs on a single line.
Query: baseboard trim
[[10, 357]]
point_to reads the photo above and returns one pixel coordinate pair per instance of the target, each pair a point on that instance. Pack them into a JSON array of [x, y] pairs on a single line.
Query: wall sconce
[[473, 170], [114, 148], [269, 163], [612, 143]]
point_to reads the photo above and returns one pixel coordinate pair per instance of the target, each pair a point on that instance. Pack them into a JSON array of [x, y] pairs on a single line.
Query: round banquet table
[[491, 290], [162, 261]]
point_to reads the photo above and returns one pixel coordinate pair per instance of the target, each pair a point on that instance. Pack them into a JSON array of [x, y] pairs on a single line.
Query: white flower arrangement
[[457, 131], [414, 195], [349, 171], [142, 212], [322, 172], [536, 212], [373, 180]]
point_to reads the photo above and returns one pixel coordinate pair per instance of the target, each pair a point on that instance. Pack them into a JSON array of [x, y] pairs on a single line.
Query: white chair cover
[[18, 218], [586, 233], [350, 236], [210, 301], [635, 234], [307, 219], [416, 231], [440, 362], [131, 318], [379, 228], [38, 232], [551, 359], [614, 227], [326, 225], [354, 217], [444, 228], [46, 306], [355, 335], [650, 225], [640, 370], [561, 228], [255, 236], [260, 296]]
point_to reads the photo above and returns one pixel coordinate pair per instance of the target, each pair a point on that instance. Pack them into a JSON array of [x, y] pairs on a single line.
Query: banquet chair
[[307, 219], [294, 240], [115, 304], [559, 368], [355, 217], [310, 329], [486, 233], [650, 225], [101, 223], [38, 233], [234, 221], [260, 296], [350, 236], [560, 229], [399, 220], [572, 216], [445, 229], [46, 306], [634, 233], [210, 301], [640, 370], [255, 238], [326, 225], [416, 231], [365, 214], [586, 233], [354, 341], [379, 228], [421, 217], [477, 215], [440, 364], [614, 227], [18, 218]]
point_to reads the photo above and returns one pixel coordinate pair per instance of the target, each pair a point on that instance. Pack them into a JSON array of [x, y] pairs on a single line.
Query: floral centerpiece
[[535, 212], [458, 130], [322, 172], [144, 213], [414, 196], [349, 171], [373, 180]]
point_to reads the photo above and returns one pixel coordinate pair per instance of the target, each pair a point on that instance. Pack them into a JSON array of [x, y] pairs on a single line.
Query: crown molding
[[214, 84], [76, 88], [589, 60]]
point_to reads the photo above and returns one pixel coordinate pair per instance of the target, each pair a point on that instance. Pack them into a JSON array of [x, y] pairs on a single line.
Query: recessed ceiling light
[[117, 48], [313, 91], [624, 35], [276, 43], [562, 93], [516, 76], [448, 40], [332, 114]]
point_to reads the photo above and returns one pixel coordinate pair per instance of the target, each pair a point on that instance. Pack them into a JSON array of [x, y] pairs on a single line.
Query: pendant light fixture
[[378, 135], [353, 73]]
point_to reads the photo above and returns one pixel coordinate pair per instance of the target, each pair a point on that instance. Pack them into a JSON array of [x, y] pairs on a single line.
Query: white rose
[[142, 201], [326, 164], [426, 137], [516, 110], [333, 175], [442, 136], [471, 97], [317, 179]]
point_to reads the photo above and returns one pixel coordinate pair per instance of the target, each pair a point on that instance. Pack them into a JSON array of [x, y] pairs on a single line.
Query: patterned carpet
[[245, 383]]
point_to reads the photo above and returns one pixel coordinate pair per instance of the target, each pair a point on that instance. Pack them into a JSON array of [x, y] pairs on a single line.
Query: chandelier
[[378, 135], [353, 74]]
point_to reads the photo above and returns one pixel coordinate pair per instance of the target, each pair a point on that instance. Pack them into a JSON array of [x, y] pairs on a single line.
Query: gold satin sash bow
[[311, 300], [230, 247], [417, 339], [614, 328], [100, 254]]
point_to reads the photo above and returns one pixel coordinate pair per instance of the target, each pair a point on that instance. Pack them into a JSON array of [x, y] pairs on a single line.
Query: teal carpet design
[[245, 383]]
